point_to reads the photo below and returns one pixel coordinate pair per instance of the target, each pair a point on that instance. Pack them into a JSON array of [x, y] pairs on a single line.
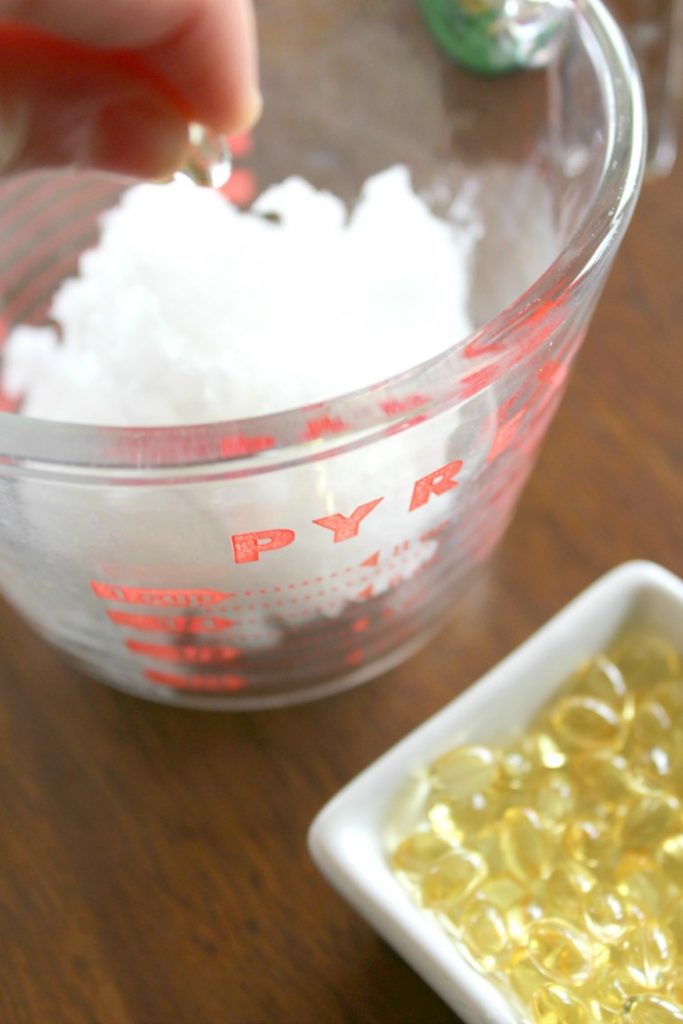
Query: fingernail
[[141, 137], [253, 109]]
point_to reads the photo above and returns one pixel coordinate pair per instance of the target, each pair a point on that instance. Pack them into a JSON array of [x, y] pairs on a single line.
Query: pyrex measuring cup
[[254, 563]]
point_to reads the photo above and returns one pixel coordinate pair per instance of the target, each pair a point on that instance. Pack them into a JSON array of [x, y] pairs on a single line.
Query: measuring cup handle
[[654, 29]]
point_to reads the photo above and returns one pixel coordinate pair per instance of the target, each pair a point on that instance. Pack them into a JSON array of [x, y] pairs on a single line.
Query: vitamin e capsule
[[609, 780], [526, 843], [452, 879], [647, 891], [419, 852], [606, 914], [484, 934], [554, 1004], [489, 846], [651, 725], [649, 821], [610, 990], [502, 891], [524, 976], [647, 953], [647, 1009], [670, 695], [562, 892], [520, 918], [645, 659], [584, 723], [563, 953], [554, 797], [652, 769], [516, 767], [591, 841], [457, 820], [464, 771], [543, 750], [602, 679]]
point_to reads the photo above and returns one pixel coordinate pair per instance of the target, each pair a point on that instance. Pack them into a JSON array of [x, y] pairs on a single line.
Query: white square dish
[[347, 838]]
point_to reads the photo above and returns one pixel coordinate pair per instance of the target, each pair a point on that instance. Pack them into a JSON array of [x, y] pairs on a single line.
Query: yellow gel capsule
[[602, 679], [651, 725], [649, 821], [554, 797], [606, 914], [670, 695], [418, 853], [554, 1004], [516, 767], [584, 723], [645, 659], [647, 953], [670, 858], [502, 891], [484, 934], [609, 780], [523, 975], [452, 879], [464, 771], [562, 893], [489, 846], [526, 843], [610, 990], [653, 1009], [457, 820], [647, 891], [520, 918], [591, 841], [561, 952], [543, 750], [652, 769]]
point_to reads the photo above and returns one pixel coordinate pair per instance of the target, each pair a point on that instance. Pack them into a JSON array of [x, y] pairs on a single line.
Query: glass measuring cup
[[261, 562]]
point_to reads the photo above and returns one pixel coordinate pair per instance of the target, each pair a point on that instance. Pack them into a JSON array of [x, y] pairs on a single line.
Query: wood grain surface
[[153, 863]]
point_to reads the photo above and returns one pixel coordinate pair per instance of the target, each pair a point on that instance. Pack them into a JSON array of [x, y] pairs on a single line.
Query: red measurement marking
[[9, 403], [477, 381], [366, 594], [371, 562], [401, 548], [360, 625], [177, 624], [321, 427], [394, 406], [347, 527], [524, 428], [167, 596], [187, 653], [354, 658], [207, 683], [243, 445], [248, 547], [438, 482]]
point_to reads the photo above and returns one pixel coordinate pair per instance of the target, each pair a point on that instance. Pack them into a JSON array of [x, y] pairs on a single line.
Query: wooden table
[[153, 863]]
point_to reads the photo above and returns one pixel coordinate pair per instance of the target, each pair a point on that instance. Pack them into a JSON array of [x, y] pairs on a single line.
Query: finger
[[63, 103], [205, 49]]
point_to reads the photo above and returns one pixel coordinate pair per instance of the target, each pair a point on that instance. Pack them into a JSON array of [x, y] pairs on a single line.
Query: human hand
[[113, 85]]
